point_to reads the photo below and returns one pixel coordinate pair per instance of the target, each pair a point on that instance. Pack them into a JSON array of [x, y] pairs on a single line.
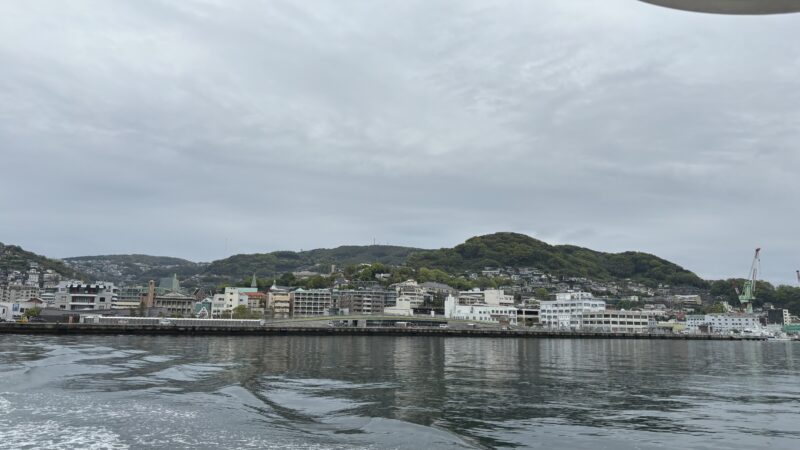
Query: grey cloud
[[172, 127]]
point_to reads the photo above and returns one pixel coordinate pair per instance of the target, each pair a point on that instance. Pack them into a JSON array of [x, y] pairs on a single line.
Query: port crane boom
[[749, 290]]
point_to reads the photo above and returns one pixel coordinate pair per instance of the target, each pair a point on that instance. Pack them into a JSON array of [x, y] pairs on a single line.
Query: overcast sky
[[206, 128]]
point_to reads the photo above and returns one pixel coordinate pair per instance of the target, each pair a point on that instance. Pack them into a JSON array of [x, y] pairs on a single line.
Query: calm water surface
[[395, 392]]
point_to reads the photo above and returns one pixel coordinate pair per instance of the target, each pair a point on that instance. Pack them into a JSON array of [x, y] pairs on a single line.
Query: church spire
[[254, 282]]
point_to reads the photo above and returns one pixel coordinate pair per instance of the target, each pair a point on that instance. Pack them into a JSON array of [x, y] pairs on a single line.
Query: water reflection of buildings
[[419, 371]]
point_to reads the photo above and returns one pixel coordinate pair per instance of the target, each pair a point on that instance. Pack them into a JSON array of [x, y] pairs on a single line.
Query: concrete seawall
[[63, 328]]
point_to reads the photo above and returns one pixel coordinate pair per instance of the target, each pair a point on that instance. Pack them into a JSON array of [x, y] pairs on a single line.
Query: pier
[[215, 330]]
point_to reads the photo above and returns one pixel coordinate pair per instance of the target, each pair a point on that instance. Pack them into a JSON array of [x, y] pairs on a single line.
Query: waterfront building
[[257, 301], [175, 304], [204, 309], [312, 302], [617, 321], [11, 311], [566, 311], [722, 323], [528, 316], [402, 307], [131, 294], [233, 297], [479, 312], [279, 302], [778, 317], [363, 301], [72, 296]]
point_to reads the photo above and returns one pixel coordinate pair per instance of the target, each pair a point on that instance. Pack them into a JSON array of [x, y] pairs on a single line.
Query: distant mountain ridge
[[14, 257], [133, 269], [494, 250], [138, 269]]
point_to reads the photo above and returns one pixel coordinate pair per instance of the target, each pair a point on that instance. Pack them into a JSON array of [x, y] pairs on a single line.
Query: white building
[[618, 321], [479, 312], [32, 278], [723, 323], [402, 307], [312, 302], [13, 311], [496, 297], [566, 311], [72, 296], [567, 296], [230, 299], [411, 292]]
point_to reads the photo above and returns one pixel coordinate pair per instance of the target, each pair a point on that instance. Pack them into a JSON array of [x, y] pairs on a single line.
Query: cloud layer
[[205, 128]]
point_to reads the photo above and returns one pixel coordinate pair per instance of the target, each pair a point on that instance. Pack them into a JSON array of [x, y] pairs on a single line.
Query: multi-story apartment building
[[71, 296], [279, 302], [32, 279], [233, 297], [567, 311], [257, 301], [363, 301], [617, 321], [312, 302], [18, 293], [409, 291], [722, 323]]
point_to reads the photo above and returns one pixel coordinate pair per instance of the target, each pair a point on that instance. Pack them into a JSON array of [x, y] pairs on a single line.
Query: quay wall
[[80, 328]]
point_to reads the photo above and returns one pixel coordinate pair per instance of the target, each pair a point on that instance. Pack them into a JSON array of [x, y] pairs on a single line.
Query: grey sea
[[165, 392]]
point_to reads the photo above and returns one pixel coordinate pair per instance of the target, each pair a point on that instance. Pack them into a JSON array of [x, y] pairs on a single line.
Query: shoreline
[[173, 330]]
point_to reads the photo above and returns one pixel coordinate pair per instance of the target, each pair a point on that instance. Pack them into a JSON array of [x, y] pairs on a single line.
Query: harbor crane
[[748, 293]]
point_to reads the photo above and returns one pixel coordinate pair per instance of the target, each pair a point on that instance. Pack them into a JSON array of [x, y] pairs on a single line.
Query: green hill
[[495, 250], [319, 260], [519, 250], [13, 257]]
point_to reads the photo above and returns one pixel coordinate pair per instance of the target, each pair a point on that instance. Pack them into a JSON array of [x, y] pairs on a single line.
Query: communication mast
[[749, 290]]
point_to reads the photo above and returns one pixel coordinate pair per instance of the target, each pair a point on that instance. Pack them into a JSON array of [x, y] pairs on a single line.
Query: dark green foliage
[[518, 250], [401, 263], [33, 312], [783, 296], [320, 260], [13, 257], [241, 312]]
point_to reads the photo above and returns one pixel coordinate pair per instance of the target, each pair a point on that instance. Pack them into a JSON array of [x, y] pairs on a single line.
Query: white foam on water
[[5, 406], [52, 435]]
